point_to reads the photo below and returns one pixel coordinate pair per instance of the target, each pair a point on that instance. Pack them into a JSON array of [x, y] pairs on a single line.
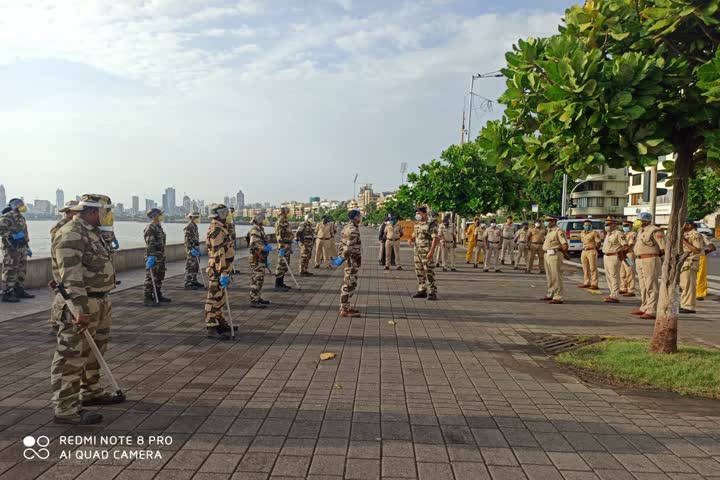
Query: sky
[[282, 99]]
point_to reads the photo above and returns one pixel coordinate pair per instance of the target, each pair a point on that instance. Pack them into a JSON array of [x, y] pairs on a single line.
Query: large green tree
[[622, 83], [703, 194]]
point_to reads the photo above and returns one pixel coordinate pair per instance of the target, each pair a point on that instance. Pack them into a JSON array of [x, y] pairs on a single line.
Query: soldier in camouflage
[[192, 252], [84, 268], [425, 238], [154, 259], [305, 236], [16, 250], [230, 220], [350, 252], [259, 252], [108, 234], [58, 302], [284, 238], [218, 242]]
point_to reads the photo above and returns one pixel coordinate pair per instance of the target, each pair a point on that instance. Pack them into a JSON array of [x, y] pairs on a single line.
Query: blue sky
[[283, 99]]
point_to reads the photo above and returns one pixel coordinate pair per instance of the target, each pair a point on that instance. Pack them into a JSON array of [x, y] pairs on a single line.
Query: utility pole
[[462, 129], [403, 169], [354, 184], [564, 203], [495, 74]]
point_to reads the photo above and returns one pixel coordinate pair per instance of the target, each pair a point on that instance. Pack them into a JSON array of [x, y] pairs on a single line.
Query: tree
[[622, 83], [703, 194], [546, 194]]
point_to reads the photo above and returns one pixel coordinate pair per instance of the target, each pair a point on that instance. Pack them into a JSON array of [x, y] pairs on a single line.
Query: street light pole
[[495, 74]]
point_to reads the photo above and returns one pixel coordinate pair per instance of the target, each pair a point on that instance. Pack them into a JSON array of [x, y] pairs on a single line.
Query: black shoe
[[83, 417], [190, 286], [21, 293], [216, 333], [257, 305], [422, 294], [263, 301], [497, 270], [150, 302], [280, 285], [118, 282], [432, 296], [453, 270], [687, 310], [163, 299], [316, 266], [104, 399], [9, 297], [198, 285]]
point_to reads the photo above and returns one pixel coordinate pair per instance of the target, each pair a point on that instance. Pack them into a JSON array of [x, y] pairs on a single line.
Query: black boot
[[162, 298], [257, 304], [198, 284], [216, 333], [264, 302], [280, 284], [21, 293], [9, 296], [149, 301], [420, 294]]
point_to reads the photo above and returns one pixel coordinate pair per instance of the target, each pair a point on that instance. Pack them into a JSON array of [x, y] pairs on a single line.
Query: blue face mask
[[626, 229]]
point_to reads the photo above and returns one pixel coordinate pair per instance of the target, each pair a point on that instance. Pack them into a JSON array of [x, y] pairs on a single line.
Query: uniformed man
[[85, 271], [627, 272], [258, 258], [305, 236], [470, 236], [393, 233], [219, 267], [192, 252], [448, 241], [555, 248], [536, 239], [325, 248], [351, 255], [108, 233], [508, 241], [481, 251], [522, 237], [492, 239], [425, 239], [154, 259], [58, 302], [230, 220], [591, 241], [16, 250], [649, 247], [693, 244], [702, 272], [284, 238], [614, 248]]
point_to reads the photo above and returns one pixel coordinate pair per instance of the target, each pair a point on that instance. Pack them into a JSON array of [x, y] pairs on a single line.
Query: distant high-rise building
[[135, 204], [170, 199], [165, 206], [3, 198], [43, 207], [240, 200], [149, 203], [226, 201], [77, 198], [187, 204], [120, 208], [59, 198]]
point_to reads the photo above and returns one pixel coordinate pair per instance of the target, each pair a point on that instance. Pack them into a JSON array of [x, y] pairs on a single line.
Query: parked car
[[705, 229]]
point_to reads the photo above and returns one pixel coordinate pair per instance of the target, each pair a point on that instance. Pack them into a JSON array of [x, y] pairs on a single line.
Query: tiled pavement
[[450, 390]]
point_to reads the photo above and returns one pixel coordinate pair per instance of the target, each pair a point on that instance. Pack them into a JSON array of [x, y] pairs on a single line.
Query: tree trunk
[[664, 339]]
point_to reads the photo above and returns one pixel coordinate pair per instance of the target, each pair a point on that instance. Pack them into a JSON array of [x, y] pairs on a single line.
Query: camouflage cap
[[68, 206], [217, 210], [92, 200], [154, 212], [284, 210], [193, 214], [259, 218]]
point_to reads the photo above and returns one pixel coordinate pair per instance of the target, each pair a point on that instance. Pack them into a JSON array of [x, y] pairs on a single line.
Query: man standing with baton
[[154, 259], [85, 271], [284, 238], [218, 242]]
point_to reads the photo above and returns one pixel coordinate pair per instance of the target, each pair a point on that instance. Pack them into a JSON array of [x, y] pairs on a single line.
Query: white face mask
[[607, 228], [537, 224], [546, 223], [626, 229], [493, 225], [418, 217]]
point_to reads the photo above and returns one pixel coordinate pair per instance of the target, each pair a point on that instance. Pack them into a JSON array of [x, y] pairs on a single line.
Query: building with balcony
[[601, 194], [635, 203]]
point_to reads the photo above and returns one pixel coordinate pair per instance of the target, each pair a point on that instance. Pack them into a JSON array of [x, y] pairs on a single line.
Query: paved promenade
[[428, 390]]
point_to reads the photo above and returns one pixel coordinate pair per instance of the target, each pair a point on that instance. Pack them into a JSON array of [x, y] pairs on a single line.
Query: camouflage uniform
[[219, 262], [192, 241], [154, 245], [257, 260], [284, 236], [305, 235], [230, 224], [14, 251], [351, 251], [56, 310], [85, 270], [424, 234]]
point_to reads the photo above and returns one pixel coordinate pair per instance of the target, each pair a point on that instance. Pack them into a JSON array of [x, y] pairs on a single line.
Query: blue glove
[[337, 261], [267, 264], [224, 280], [18, 236], [116, 244], [267, 249], [29, 252], [296, 242], [282, 252], [150, 262], [195, 252]]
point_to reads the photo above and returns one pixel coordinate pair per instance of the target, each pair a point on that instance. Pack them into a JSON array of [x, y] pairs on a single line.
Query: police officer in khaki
[[508, 241], [555, 248], [591, 241], [627, 271], [492, 238], [448, 241], [393, 233], [649, 247], [692, 244], [480, 250], [536, 239], [521, 240], [325, 238], [614, 249]]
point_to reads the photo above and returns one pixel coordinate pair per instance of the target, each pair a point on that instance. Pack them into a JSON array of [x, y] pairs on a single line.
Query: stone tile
[[400, 467], [327, 465], [433, 471], [362, 469], [291, 466]]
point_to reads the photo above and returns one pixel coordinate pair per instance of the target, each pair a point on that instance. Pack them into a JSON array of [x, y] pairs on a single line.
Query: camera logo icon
[[41, 452]]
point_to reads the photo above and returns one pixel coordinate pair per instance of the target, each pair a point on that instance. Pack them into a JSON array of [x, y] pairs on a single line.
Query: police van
[[574, 226]]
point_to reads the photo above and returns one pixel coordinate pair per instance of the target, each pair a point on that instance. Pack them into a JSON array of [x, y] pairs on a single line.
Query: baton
[[152, 277], [227, 304], [290, 271], [200, 270], [93, 346]]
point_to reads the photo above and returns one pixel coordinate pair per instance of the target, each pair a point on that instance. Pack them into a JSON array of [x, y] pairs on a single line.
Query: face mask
[[196, 221], [229, 217], [265, 222], [587, 227], [626, 229], [525, 227], [493, 225], [108, 219], [418, 217], [537, 224], [22, 209], [607, 228], [547, 224]]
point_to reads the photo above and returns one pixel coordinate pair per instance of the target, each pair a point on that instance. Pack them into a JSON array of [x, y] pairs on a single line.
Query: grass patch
[[691, 371]]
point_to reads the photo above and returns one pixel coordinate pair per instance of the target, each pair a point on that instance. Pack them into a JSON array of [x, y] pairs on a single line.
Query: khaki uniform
[[492, 238], [591, 240], [305, 236], [521, 240], [688, 273], [14, 251], [218, 242], [284, 236], [84, 268], [554, 240], [351, 251], [536, 238], [257, 259], [325, 243], [192, 241], [508, 242], [447, 239], [155, 245], [56, 310], [612, 249], [648, 245], [424, 234], [481, 251], [627, 273], [393, 233], [702, 272]]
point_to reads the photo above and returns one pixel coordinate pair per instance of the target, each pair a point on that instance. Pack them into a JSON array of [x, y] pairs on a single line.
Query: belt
[[508, 238], [537, 243], [328, 238], [97, 294], [648, 255], [492, 242], [520, 242], [611, 254], [589, 249]]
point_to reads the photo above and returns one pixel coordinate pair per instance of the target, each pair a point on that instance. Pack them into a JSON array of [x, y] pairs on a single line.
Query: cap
[[217, 209], [92, 200], [284, 210], [551, 217], [15, 202], [587, 220], [68, 206], [193, 214], [259, 218], [352, 214], [421, 208], [525, 224], [646, 216], [690, 221], [627, 222], [446, 217], [153, 212], [609, 220]]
